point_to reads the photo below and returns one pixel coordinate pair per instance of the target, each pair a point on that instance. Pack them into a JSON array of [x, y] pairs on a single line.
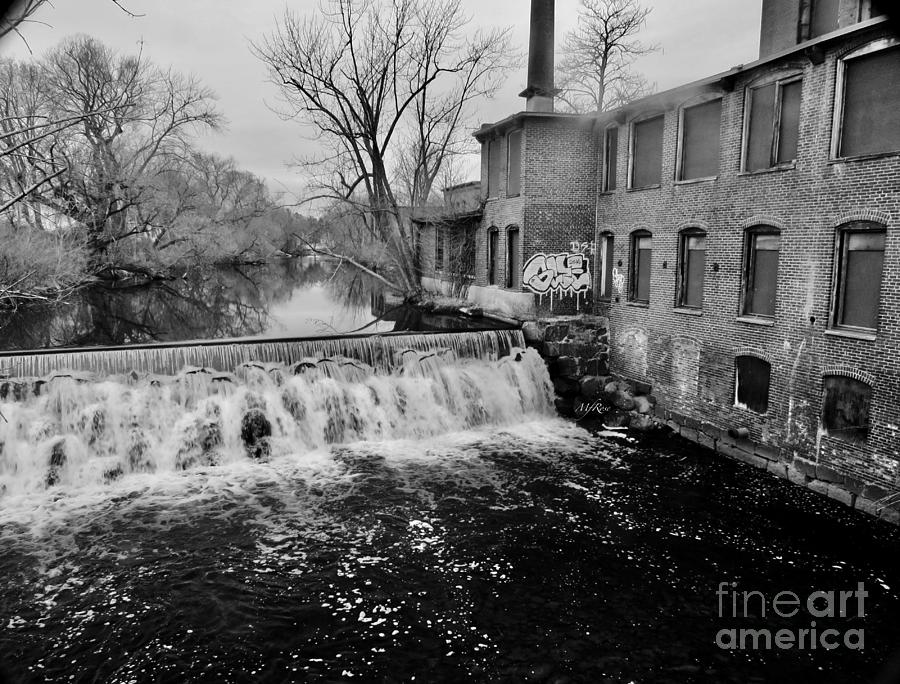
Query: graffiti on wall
[[564, 275], [582, 247], [618, 281]]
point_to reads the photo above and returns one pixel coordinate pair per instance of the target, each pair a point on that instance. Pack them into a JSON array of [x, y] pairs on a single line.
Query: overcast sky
[[210, 39]]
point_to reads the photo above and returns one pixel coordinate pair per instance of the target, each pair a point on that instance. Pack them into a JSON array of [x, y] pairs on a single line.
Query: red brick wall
[[807, 202]]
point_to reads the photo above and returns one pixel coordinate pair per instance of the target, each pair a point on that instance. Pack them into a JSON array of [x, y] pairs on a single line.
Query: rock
[[640, 422], [556, 333], [616, 419], [564, 406], [597, 366], [255, 433], [623, 400], [113, 474], [551, 349], [642, 405], [532, 332], [57, 462], [565, 386], [567, 367], [591, 388]]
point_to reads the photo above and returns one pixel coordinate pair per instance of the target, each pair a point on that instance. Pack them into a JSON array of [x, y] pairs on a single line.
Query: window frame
[[492, 141], [833, 433], [746, 407], [605, 264], [512, 277], [679, 154], [634, 268], [632, 127], [605, 187], [521, 133], [493, 265], [841, 247], [748, 272], [779, 84], [681, 284], [840, 91]]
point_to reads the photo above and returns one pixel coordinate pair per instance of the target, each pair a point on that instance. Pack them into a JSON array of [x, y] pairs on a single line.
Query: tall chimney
[[540, 92]]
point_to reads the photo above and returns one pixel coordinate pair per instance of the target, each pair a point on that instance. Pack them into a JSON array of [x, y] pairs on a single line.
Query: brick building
[[742, 234]]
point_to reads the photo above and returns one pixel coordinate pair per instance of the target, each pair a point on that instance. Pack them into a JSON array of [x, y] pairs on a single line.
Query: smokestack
[[540, 92]]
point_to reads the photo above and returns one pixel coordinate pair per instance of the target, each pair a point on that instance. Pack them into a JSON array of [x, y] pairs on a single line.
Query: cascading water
[[96, 416]]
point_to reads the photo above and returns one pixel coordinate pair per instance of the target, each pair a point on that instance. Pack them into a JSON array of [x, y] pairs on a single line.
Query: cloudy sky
[[210, 38]]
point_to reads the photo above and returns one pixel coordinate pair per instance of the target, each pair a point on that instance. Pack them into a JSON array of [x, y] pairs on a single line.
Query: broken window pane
[[647, 153], [693, 264], [761, 277], [845, 408], [859, 280], [751, 386], [871, 123], [700, 140]]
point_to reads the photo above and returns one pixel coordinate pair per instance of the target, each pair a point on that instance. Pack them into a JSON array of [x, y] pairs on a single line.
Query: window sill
[[638, 305], [607, 192], [518, 194], [754, 320], [746, 409], [852, 334], [696, 181], [646, 187], [687, 311], [789, 166], [864, 157]]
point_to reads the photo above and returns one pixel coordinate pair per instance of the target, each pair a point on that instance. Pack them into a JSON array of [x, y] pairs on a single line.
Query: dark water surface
[[535, 552], [301, 297]]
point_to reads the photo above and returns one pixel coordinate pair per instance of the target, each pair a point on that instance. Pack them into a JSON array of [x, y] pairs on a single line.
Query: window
[[761, 271], [467, 252], [845, 408], [641, 258], [860, 260], [514, 163], [869, 101], [611, 156], [495, 160], [606, 266], [513, 260], [439, 238], [646, 152], [692, 264], [817, 17], [751, 383], [493, 255], [700, 134], [773, 124]]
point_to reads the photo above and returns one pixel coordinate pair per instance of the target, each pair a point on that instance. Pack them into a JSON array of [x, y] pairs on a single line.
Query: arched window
[[859, 265], [845, 408], [691, 267], [493, 255], [751, 383], [513, 259], [641, 259], [762, 246]]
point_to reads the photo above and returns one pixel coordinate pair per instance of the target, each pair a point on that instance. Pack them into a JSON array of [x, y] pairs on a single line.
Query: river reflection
[[286, 298]]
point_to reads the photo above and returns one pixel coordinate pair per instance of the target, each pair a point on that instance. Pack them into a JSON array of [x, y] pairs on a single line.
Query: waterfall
[[87, 417]]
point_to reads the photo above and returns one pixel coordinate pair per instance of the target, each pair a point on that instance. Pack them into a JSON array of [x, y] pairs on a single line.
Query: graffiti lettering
[[618, 281], [566, 274], [582, 247]]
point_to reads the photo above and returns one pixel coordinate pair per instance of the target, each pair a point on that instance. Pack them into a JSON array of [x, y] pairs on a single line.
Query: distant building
[[741, 232]]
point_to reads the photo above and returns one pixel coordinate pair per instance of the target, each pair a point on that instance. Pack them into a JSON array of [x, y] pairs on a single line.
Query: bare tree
[[595, 72], [21, 12], [384, 83]]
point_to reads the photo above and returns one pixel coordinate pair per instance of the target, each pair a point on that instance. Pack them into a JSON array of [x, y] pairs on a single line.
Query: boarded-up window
[[774, 126], [861, 261], [439, 239], [514, 164], [845, 408], [493, 255], [700, 140], [693, 265], [611, 158], [606, 266], [495, 161], [871, 114], [513, 260], [646, 159], [751, 383], [641, 258], [823, 17], [761, 274]]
